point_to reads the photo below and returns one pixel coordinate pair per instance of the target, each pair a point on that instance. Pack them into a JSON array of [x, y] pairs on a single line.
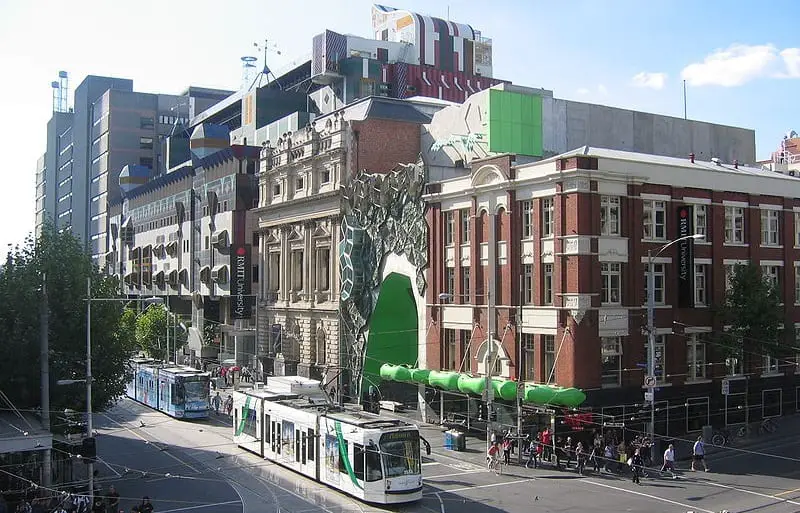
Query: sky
[[740, 60]]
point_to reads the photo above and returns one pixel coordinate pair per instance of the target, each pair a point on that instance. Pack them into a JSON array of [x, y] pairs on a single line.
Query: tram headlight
[[388, 485]]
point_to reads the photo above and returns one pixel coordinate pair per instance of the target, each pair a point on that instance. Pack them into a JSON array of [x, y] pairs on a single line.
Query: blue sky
[[741, 60]]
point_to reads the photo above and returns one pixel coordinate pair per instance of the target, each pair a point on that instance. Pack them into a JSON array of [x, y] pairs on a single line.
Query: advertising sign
[[685, 257], [241, 282]]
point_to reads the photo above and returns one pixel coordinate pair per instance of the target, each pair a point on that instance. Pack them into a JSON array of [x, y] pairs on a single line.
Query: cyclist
[[492, 457]]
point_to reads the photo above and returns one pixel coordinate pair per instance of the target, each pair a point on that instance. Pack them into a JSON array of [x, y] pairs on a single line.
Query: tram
[[177, 390], [290, 421]]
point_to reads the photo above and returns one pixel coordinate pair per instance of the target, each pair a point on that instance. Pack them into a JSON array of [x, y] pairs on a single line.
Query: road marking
[[787, 492], [465, 488], [654, 497], [452, 475], [751, 492], [189, 508], [441, 502], [431, 463], [137, 435]]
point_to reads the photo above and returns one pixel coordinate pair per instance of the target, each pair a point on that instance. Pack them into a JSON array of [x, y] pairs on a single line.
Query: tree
[[151, 331], [61, 260], [753, 313]]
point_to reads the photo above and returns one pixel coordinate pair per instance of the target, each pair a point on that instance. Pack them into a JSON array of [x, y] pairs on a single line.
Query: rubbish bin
[[448, 440], [459, 441]]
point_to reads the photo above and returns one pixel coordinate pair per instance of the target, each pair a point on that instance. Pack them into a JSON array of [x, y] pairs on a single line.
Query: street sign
[[648, 397], [650, 381], [520, 390], [726, 387]]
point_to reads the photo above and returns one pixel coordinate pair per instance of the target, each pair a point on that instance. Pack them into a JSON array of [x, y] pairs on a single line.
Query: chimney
[[736, 164], [691, 158]]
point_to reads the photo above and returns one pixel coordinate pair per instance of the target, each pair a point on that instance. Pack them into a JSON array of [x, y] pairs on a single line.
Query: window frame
[[610, 210], [694, 343], [526, 208], [701, 228], [734, 214], [464, 217], [527, 284], [770, 227], [548, 342], [547, 283], [616, 353], [701, 285], [608, 271], [652, 210], [548, 212]]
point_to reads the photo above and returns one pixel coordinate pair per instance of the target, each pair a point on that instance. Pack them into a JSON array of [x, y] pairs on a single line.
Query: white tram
[[289, 421]]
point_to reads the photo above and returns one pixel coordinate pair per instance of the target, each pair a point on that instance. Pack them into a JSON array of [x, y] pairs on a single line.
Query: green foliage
[[752, 310], [62, 259], [151, 329], [210, 333]]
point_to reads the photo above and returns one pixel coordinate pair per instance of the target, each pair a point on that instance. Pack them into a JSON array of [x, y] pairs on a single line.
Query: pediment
[[487, 175]]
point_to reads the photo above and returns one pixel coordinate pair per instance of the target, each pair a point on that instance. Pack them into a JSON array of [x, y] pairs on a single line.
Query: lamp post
[[651, 334]]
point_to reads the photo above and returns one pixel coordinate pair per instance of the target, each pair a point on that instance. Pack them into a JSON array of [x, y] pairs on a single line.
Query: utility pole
[[89, 429], [488, 363], [44, 323], [651, 348], [520, 382]]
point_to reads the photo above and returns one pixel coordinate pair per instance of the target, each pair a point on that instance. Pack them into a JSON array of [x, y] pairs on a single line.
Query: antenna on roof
[[266, 72], [248, 69]]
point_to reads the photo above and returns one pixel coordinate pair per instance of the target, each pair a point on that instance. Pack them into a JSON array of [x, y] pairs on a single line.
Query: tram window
[[358, 461], [303, 443], [343, 449], [267, 432], [373, 463], [297, 445], [312, 442]]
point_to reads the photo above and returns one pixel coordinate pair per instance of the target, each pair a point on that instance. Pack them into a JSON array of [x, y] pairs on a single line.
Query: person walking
[[216, 402], [669, 461], [580, 457], [699, 454], [146, 507], [594, 457], [507, 449], [112, 500], [229, 405], [534, 451], [636, 462]]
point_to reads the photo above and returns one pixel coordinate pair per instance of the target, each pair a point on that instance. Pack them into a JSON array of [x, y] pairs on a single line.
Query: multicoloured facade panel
[[515, 123]]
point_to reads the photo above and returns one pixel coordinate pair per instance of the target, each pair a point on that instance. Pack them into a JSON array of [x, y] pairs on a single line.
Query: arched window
[[501, 363], [320, 346]]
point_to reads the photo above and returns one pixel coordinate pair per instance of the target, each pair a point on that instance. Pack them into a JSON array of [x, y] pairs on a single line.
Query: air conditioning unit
[[220, 239]]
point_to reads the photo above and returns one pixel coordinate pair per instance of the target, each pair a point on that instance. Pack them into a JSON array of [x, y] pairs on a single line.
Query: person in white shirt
[[669, 461], [699, 453]]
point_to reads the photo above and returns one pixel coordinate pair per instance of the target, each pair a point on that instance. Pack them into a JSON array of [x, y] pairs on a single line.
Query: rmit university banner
[[241, 282], [685, 257]]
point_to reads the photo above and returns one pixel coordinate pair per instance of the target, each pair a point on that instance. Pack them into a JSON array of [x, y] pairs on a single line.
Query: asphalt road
[[207, 473]]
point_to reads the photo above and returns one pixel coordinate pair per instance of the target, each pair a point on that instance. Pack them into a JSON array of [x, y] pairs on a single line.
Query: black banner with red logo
[[685, 257], [241, 282]]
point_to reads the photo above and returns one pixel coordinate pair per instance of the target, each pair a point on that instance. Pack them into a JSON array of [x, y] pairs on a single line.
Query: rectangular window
[[611, 283], [449, 350], [701, 285], [797, 285], [527, 284], [465, 281], [297, 269], [528, 357], [358, 461], [771, 274], [323, 269], [797, 229], [324, 175], [547, 217], [276, 189], [146, 123], [609, 215], [654, 219], [611, 356], [527, 219], [701, 221], [771, 365], [770, 228], [146, 143], [312, 442], [549, 343], [698, 413], [450, 280], [346, 450], [449, 227], [547, 285], [695, 357], [299, 183], [464, 226], [658, 283], [660, 357], [274, 270], [734, 225]]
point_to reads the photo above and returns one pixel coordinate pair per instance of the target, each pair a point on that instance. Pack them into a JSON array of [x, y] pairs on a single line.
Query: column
[[285, 266]]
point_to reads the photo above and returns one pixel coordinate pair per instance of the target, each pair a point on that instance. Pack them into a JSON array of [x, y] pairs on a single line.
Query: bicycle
[[767, 426], [721, 438], [494, 464]]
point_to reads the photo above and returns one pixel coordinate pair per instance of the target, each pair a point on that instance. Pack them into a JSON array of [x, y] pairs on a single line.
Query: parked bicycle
[[767, 426], [725, 436]]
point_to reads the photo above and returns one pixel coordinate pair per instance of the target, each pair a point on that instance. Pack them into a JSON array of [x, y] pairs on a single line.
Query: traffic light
[[493, 415], [89, 450]]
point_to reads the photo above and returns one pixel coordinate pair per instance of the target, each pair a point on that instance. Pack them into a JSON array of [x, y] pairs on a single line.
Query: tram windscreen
[[401, 456], [196, 391]]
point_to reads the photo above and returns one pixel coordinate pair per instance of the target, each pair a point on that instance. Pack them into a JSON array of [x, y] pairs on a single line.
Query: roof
[[381, 107], [160, 181], [645, 158], [236, 151]]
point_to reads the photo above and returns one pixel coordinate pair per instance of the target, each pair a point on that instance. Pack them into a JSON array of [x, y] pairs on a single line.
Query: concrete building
[[109, 127], [549, 259], [786, 159], [302, 183]]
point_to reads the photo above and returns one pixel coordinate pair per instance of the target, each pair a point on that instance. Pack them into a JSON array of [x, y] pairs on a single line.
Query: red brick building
[[553, 255]]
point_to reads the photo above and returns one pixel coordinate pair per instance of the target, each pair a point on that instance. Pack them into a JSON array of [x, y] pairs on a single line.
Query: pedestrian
[[146, 507], [636, 462], [594, 458], [547, 440], [669, 461], [216, 401], [98, 505], [608, 453], [112, 500], [507, 449], [699, 454], [229, 405], [568, 451], [580, 457], [534, 451]]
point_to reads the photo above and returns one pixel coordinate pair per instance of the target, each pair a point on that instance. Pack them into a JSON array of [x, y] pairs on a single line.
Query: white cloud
[[583, 91], [602, 90], [739, 64], [652, 80]]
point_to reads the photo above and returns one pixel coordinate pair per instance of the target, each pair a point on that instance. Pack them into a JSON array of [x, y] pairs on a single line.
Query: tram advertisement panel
[[331, 459]]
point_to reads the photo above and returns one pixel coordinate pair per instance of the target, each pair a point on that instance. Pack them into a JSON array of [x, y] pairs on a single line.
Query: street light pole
[[488, 363], [89, 430], [651, 334]]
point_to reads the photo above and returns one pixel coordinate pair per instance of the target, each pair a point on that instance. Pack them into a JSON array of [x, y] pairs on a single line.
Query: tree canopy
[[154, 327], [60, 260], [752, 310]]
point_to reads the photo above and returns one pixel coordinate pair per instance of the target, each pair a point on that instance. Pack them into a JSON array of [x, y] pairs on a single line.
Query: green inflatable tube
[[420, 376], [395, 373], [470, 385], [539, 394], [569, 397], [445, 380], [505, 389]]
